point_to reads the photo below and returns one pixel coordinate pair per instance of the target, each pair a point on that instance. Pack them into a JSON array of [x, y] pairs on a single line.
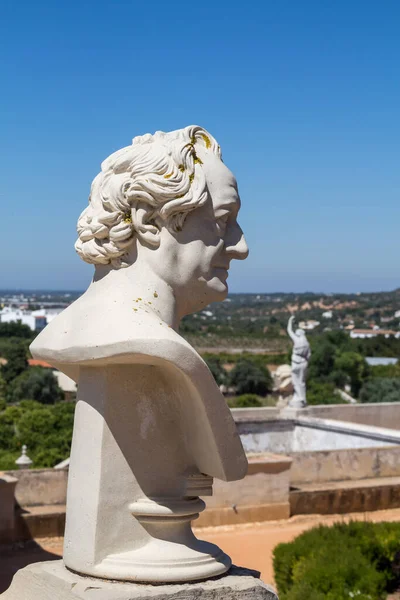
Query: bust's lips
[[221, 271]]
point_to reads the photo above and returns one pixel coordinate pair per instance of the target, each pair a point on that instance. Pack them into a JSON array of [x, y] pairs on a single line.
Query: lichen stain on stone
[[206, 140]]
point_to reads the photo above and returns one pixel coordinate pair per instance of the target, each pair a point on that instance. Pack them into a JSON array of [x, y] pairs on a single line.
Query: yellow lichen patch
[[168, 176], [135, 309], [127, 218], [197, 160], [180, 196], [139, 298], [207, 140], [193, 140], [155, 295], [191, 178], [181, 168], [149, 302]]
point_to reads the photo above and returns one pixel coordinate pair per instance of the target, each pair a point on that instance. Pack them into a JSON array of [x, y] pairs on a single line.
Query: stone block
[[50, 580]]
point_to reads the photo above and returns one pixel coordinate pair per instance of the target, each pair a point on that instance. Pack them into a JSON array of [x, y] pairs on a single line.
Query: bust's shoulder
[[89, 332]]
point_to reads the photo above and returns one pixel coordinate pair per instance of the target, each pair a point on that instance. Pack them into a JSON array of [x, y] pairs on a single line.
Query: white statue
[[151, 426], [300, 356]]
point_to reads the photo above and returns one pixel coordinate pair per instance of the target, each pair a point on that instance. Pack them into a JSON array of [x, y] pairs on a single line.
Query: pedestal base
[[51, 580]]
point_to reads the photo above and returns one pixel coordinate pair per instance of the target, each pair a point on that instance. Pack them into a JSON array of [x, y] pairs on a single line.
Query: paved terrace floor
[[250, 545]]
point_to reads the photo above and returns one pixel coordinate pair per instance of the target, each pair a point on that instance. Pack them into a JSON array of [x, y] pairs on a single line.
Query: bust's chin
[[218, 288]]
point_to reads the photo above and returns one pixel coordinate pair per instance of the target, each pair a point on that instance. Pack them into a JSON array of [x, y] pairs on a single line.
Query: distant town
[[255, 320]]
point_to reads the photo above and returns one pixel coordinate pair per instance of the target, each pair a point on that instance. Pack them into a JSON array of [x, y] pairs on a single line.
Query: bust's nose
[[235, 244]]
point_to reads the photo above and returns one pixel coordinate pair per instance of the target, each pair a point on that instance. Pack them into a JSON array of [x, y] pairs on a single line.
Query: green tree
[[322, 359], [355, 367], [16, 362], [37, 384], [17, 330], [3, 389], [46, 430], [215, 365], [249, 378]]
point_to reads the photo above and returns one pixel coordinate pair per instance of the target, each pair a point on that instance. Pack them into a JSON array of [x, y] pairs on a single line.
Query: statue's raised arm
[[290, 329]]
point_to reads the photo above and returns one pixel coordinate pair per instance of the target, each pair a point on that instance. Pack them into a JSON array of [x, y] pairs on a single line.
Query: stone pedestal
[[42, 581], [138, 462]]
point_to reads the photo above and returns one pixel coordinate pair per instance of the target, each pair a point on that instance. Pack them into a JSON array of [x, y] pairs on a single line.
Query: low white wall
[[307, 434], [385, 414], [266, 482], [340, 465], [37, 487]]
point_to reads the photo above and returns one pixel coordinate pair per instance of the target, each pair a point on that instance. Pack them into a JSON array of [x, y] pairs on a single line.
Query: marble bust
[[301, 355], [151, 426]]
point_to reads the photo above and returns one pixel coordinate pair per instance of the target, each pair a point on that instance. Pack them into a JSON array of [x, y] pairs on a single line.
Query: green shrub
[[245, 401], [336, 563], [46, 430], [381, 390], [322, 393]]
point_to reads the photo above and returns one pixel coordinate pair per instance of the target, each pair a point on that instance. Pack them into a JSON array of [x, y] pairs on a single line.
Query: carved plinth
[[172, 552], [53, 580]]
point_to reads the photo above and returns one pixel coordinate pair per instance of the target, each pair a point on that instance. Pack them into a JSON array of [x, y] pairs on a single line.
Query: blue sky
[[304, 98]]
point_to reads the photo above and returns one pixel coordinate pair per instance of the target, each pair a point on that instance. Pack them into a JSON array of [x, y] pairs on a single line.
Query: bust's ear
[[145, 224]]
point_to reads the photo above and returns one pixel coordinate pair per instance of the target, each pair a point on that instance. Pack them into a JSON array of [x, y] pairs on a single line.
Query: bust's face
[[195, 261]]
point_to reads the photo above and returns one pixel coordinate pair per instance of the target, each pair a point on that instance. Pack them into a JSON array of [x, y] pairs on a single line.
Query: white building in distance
[[35, 319], [13, 315], [371, 333]]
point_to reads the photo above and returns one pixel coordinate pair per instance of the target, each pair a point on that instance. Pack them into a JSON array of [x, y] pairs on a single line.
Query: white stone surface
[[151, 427], [300, 356], [309, 434], [53, 581]]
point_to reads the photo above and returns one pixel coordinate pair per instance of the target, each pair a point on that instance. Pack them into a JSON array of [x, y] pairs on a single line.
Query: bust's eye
[[222, 220]]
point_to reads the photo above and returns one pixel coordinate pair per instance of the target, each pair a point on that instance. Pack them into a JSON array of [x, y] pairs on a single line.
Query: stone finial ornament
[[151, 426], [300, 356], [24, 462]]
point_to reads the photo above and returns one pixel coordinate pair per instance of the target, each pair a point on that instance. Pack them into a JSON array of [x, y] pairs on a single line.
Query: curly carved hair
[[160, 172]]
